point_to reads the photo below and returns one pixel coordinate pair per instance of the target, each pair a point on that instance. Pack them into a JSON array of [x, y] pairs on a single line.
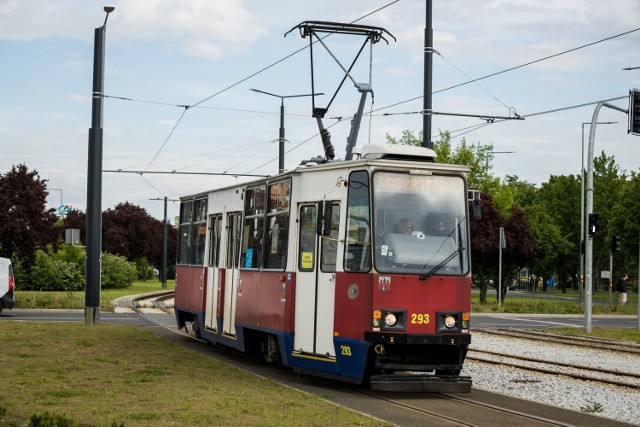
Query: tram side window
[[233, 239], [330, 242], [186, 211], [358, 238], [253, 232], [307, 243], [199, 231], [215, 224], [277, 233]]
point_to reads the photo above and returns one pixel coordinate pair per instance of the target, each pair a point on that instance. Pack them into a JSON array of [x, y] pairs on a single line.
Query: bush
[[64, 270], [117, 272], [53, 271]]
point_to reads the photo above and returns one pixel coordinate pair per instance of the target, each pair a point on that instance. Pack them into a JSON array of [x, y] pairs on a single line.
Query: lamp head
[[108, 9]]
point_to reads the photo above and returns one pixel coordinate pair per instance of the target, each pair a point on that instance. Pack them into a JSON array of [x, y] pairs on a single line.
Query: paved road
[[537, 321], [478, 320]]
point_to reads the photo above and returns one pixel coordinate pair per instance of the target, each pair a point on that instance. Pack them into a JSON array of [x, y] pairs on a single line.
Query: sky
[[163, 55]]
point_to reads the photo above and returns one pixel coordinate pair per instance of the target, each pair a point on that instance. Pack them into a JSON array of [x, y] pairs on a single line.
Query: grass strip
[[114, 375]]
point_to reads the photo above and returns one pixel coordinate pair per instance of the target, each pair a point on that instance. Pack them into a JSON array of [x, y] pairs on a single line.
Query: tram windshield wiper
[[446, 260], [442, 263]]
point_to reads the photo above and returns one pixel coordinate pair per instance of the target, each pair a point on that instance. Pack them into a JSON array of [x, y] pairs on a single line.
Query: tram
[[308, 268]]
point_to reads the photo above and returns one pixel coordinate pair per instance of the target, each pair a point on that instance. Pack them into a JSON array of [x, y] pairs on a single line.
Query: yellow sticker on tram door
[[306, 260]]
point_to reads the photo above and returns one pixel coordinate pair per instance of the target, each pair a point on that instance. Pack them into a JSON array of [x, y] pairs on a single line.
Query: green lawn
[[114, 375], [552, 302], [76, 300]]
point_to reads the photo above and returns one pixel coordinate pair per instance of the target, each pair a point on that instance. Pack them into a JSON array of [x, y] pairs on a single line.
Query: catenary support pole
[[164, 246], [428, 78], [94, 182]]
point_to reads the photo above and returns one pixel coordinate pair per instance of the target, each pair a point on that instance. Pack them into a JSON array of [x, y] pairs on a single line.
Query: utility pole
[[281, 133], [428, 78], [165, 224], [94, 181]]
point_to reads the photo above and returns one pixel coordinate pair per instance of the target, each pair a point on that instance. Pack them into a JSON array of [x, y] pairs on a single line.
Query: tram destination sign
[[403, 183]]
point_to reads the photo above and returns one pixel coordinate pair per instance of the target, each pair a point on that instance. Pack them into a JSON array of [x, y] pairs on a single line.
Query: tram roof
[[369, 154]]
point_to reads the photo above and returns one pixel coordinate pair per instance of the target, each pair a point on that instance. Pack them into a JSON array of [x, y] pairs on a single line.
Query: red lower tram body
[[419, 353]]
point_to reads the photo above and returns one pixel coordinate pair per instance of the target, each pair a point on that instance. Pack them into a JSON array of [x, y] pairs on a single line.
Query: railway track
[[447, 409], [595, 343], [148, 305]]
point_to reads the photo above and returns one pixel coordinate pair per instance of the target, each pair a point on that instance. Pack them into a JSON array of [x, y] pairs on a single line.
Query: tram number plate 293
[[419, 318], [345, 350]]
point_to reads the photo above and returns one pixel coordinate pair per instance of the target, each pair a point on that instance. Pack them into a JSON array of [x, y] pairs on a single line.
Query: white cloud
[[203, 28]]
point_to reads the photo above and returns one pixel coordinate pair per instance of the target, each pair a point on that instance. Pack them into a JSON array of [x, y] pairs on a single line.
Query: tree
[[485, 235], [560, 199], [25, 223], [608, 185], [128, 230], [624, 223]]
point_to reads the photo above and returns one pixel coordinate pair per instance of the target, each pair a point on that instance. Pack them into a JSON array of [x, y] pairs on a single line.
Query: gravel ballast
[[619, 403]]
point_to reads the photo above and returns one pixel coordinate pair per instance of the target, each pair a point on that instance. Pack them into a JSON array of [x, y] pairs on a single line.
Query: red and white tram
[[308, 268]]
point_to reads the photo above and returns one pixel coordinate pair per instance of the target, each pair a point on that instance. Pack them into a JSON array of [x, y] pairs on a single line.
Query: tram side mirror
[[325, 211], [474, 198]]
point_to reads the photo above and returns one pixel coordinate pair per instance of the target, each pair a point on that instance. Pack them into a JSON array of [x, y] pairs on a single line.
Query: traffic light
[[594, 220], [634, 111], [615, 243]]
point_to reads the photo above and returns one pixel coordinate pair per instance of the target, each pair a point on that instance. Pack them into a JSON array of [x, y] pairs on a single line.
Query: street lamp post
[[281, 135], [94, 181], [588, 275], [581, 278]]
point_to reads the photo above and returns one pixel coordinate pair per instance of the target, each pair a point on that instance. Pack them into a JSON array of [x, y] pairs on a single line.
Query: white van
[[6, 285]]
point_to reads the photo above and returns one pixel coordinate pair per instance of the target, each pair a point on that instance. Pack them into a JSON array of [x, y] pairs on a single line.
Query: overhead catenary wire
[[540, 113], [514, 68], [297, 146], [187, 107]]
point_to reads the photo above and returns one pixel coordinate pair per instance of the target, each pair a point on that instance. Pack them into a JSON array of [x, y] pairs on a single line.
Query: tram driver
[[404, 226]]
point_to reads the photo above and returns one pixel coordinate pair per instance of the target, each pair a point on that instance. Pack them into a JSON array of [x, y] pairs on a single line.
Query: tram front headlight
[[390, 319], [449, 321]]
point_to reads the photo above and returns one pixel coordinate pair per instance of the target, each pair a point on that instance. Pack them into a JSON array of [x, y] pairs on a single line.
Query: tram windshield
[[420, 224]]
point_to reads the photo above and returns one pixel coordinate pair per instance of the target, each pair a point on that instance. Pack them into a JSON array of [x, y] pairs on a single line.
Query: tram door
[[213, 273], [232, 273], [315, 282]]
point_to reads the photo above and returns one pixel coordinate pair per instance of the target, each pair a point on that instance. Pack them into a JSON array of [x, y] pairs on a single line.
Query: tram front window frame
[[435, 208]]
